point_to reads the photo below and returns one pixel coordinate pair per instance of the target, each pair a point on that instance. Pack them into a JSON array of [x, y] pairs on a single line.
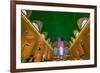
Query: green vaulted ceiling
[[58, 24]]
